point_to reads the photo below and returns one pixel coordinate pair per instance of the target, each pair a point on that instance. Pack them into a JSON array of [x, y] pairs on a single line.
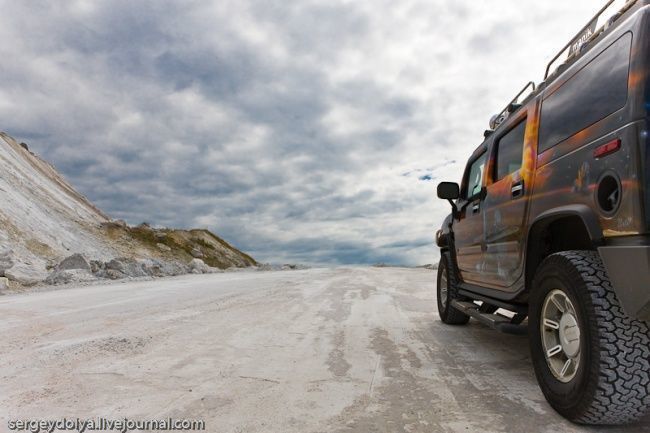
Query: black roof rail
[[588, 33], [585, 34], [501, 117]]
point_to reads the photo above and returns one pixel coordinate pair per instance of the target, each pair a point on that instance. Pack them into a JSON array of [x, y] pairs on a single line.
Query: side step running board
[[475, 292], [494, 321]]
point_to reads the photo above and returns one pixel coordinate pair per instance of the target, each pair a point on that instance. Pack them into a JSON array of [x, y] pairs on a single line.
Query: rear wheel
[[447, 292], [592, 362]]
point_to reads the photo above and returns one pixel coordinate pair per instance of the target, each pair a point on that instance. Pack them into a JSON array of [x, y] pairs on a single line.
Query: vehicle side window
[[474, 179], [510, 151], [596, 91]]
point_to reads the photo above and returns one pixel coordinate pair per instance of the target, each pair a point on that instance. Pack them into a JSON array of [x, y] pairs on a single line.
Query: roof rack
[[511, 107], [586, 34], [580, 40]]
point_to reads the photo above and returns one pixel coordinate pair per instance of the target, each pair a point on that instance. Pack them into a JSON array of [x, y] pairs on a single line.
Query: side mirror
[[448, 190]]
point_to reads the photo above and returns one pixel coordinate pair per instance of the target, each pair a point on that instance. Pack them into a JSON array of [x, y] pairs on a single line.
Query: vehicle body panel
[[505, 209], [468, 228], [563, 178]]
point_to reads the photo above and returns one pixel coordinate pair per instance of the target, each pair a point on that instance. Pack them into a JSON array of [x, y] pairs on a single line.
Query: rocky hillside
[[43, 221]]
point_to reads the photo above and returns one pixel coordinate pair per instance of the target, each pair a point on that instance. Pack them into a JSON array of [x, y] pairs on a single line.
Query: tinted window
[[597, 91], [474, 179], [510, 149]]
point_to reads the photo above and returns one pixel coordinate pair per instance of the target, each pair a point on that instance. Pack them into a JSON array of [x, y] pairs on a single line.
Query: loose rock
[[26, 274], [163, 247], [112, 274], [197, 266], [126, 266], [6, 261], [75, 261], [67, 276], [97, 266]]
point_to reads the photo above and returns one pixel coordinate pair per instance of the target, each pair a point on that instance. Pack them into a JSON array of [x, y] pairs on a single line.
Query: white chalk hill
[[43, 219]]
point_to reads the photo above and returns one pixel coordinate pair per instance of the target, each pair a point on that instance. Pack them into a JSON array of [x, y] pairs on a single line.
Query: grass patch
[[204, 243], [182, 243]]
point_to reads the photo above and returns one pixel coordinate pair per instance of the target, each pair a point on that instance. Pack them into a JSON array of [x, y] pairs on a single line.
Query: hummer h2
[[550, 227]]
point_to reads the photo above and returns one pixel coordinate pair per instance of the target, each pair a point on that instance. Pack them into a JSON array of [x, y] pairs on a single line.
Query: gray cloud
[[299, 131]]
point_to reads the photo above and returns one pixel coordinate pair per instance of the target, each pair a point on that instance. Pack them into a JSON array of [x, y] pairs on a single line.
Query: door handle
[[517, 189]]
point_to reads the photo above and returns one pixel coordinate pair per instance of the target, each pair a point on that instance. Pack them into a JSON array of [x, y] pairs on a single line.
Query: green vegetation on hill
[[182, 245]]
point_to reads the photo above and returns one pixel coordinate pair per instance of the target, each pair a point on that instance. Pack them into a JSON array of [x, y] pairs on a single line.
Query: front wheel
[[447, 292], [592, 362]]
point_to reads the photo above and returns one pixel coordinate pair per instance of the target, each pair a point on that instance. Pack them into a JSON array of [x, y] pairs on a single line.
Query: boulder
[[135, 268], [198, 266], [26, 274], [152, 267], [112, 274], [174, 268], [160, 236], [59, 277], [67, 276], [75, 261], [6, 260], [163, 247], [115, 265], [196, 253], [4, 283], [155, 271], [97, 266], [127, 266]]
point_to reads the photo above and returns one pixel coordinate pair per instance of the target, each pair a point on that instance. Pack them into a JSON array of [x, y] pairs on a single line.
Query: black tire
[[448, 314], [612, 377]]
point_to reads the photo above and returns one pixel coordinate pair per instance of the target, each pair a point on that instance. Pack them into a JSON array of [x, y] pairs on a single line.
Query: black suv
[[550, 227]]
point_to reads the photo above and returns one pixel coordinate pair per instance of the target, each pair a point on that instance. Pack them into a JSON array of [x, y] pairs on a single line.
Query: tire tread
[[453, 316], [623, 374]]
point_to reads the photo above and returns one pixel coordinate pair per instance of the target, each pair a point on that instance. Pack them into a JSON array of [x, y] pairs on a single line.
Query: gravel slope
[[322, 350], [41, 215], [43, 219]]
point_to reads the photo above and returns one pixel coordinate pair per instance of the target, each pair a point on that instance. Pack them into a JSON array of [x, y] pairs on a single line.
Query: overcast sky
[[300, 131]]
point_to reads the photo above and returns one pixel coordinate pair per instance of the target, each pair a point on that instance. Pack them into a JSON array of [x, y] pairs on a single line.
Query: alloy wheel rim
[[444, 288], [560, 333]]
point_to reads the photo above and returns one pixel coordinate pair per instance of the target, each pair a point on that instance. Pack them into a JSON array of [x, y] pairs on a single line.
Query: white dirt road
[[322, 350]]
